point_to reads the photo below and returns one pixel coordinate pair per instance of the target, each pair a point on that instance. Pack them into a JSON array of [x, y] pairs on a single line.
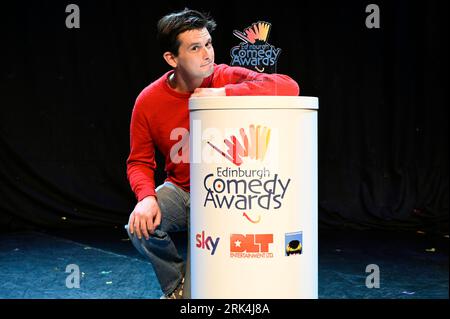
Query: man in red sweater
[[161, 108]]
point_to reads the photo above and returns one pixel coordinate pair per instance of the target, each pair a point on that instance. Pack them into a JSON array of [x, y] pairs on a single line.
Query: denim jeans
[[169, 266]]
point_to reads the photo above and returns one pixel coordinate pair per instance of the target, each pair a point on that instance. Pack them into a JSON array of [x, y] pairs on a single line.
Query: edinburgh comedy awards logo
[[250, 190], [255, 52]]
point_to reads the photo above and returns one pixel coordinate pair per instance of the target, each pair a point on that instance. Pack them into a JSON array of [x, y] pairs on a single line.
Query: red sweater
[[159, 109]]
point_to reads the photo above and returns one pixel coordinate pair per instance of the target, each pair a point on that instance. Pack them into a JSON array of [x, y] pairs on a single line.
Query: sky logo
[[207, 242]]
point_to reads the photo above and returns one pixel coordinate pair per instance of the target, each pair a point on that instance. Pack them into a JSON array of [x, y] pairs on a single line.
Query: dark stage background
[[67, 97]]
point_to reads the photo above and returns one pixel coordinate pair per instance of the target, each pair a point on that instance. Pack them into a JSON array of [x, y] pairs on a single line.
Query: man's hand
[[145, 217], [199, 92]]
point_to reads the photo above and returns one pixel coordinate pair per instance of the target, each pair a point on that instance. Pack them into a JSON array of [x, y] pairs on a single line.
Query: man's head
[[173, 24], [186, 42]]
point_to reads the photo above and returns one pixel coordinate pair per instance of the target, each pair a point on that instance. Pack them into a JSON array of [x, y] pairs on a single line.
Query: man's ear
[[171, 59]]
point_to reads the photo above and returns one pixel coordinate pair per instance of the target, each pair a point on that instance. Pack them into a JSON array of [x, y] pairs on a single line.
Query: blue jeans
[[169, 266]]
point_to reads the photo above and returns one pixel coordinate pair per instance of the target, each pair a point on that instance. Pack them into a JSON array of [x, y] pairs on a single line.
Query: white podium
[[253, 221]]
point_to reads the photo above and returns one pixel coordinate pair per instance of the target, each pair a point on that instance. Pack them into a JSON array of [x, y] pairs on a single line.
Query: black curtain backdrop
[[67, 97]]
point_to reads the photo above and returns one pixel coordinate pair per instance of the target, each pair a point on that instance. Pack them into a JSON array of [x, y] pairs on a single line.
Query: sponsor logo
[[293, 243], [207, 243], [251, 245]]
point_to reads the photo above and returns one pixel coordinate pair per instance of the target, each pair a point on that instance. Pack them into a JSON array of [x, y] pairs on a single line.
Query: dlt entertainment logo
[[251, 245]]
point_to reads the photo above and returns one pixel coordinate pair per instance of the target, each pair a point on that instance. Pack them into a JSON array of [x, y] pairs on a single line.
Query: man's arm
[[241, 81], [232, 81], [141, 162], [141, 166]]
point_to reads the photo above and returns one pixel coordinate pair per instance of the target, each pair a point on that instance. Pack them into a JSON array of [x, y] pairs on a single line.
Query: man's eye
[[195, 48]]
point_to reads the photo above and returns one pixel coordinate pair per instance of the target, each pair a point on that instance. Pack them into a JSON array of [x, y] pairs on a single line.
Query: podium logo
[[251, 245], [252, 145], [207, 242], [254, 52], [293, 243]]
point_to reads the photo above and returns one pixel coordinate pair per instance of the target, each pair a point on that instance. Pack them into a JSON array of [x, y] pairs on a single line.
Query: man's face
[[196, 53]]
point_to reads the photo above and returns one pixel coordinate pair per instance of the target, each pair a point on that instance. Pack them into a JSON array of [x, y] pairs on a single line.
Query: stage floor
[[413, 265]]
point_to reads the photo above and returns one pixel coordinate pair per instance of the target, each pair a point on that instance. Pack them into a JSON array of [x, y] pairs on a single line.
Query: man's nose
[[206, 53]]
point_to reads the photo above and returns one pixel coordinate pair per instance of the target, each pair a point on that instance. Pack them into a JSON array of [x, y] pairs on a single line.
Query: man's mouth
[[206, 64]]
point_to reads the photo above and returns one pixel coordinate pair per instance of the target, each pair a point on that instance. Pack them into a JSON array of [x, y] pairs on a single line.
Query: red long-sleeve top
[[159, 109]]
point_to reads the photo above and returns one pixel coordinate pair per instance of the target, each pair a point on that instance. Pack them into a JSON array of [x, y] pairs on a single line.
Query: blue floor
[[413, 265], [33, 265]]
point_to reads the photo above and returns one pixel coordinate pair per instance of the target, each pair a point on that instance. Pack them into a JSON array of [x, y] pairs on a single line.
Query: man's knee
[[173, 208], [167, 191]]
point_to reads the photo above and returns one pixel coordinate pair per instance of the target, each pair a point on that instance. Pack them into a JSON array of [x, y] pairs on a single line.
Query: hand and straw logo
[[252, 145]]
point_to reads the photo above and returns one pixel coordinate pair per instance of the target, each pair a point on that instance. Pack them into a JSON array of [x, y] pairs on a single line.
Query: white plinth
[[253, 222]]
